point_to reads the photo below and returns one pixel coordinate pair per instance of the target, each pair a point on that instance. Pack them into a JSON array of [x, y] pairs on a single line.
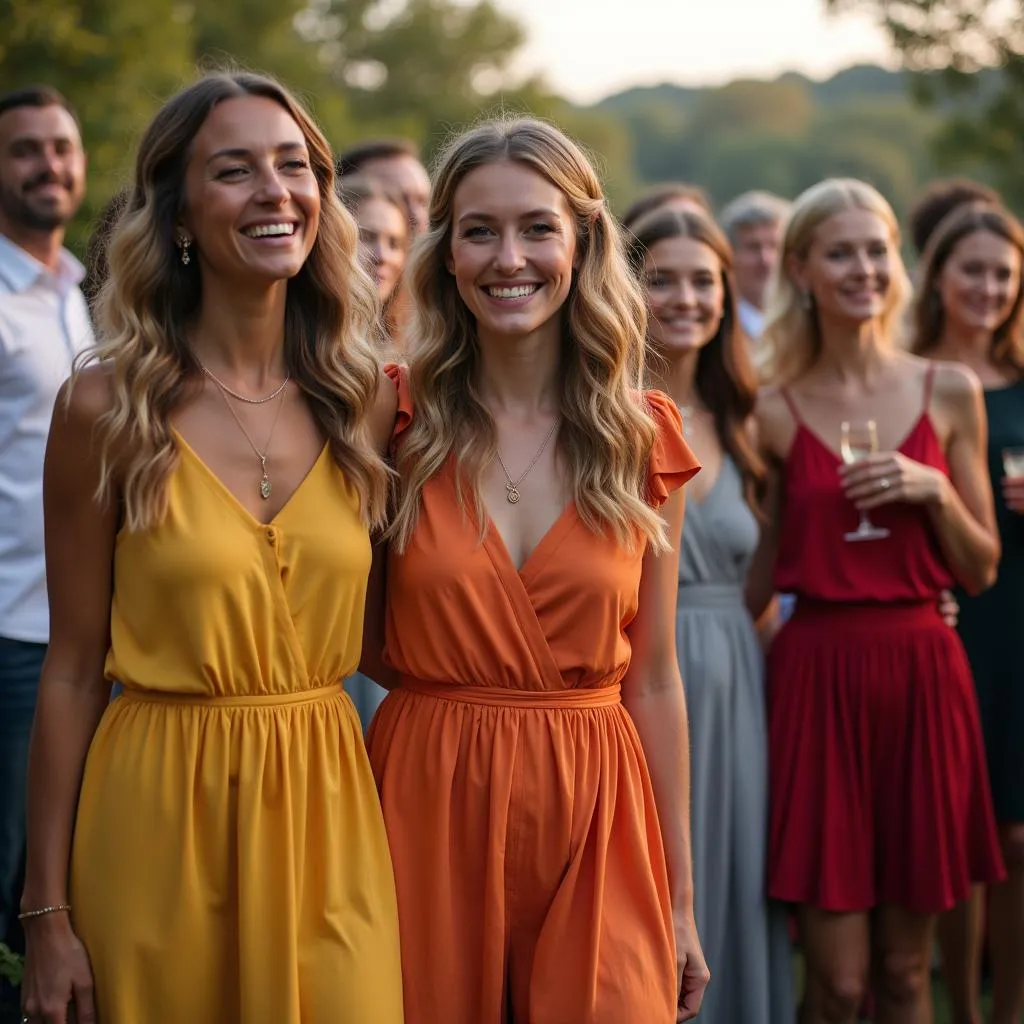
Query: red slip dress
[[878, 788]]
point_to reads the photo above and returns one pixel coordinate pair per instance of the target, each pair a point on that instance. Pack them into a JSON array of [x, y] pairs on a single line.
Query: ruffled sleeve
[[672, 462], [403, 417]]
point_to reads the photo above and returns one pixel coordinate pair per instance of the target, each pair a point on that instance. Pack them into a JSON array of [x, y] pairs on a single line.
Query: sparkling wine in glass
[[859, 440], [1013, 463]]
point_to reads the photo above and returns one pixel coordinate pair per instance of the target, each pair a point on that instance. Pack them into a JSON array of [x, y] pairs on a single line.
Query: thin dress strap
[[788, 398], [929, 377]]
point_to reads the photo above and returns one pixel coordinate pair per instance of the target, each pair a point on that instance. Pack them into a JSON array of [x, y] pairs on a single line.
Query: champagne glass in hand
[[858, 441]]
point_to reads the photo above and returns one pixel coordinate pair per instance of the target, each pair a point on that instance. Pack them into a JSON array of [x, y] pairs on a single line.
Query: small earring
[[183, 244], [807, 301]]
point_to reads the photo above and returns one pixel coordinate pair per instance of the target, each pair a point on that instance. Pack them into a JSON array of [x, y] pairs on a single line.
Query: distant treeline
[[783, 135]]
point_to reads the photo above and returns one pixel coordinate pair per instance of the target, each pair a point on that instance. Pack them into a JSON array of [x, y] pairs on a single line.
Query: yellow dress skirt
[[230, 862]]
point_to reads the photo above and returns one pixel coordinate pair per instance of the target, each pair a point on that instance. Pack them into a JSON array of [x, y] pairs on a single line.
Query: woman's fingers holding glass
[[1013, 493]]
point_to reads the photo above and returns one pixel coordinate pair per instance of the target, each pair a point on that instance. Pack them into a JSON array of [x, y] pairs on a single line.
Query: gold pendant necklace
[[512, 487], [266, 488]]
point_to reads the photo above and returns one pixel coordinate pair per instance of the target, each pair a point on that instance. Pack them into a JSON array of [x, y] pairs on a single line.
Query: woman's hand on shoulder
[[382, 415]]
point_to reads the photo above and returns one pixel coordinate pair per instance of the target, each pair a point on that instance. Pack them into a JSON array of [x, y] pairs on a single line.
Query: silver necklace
[[243, 398], [512, 487]]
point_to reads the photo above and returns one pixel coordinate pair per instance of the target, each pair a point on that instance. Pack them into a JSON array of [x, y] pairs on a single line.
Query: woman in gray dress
[[701, 359]]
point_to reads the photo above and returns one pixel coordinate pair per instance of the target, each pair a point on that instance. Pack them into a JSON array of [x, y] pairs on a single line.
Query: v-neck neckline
[[229, 495], [551, 538], [709, 493], [817, 438]]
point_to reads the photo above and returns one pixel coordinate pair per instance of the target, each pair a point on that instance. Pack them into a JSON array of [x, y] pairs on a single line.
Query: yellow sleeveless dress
[[230, 862]]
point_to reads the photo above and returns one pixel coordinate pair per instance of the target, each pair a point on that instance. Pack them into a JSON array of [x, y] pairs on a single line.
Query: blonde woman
[[970, 309], [532, 759], [879, 498], [209, 487]]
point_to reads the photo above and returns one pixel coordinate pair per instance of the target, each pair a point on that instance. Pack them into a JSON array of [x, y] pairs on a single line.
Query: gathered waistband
[[711, 595], [241, 700], [506, 697], [871, 615]]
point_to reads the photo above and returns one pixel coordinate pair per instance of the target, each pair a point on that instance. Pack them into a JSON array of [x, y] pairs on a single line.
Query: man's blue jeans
[[20, 666]]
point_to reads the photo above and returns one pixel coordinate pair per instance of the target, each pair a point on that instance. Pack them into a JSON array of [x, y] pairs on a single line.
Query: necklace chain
[[512, 487], [244, 398], [689, 413], [265, 486]]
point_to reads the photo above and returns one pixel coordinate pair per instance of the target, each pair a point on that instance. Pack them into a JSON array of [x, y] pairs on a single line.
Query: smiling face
[[42, 168], [252, 202], [848, 268], [979, 282], [383, 242], [686, 293], [513, 247]]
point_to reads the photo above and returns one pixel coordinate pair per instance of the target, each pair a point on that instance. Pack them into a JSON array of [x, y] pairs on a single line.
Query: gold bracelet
[[42, 911]]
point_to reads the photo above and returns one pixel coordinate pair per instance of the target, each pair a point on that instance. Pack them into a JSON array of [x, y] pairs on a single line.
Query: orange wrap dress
[[230, 864], [531, 876]]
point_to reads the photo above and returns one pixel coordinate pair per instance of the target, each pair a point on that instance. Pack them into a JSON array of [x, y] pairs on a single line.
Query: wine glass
[[859, 440], [1013, 463]]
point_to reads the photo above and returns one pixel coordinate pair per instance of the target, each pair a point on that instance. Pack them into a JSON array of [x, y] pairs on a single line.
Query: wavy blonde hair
[[150, 300], [607, 433], [792, 333]]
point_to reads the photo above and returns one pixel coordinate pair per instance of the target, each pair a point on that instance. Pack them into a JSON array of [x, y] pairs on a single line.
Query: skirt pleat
[[879, 789]]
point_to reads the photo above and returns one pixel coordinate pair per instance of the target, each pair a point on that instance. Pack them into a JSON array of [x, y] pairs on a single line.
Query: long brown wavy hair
[[725, 378], [149, 302], [1007, 349], [607, 433]]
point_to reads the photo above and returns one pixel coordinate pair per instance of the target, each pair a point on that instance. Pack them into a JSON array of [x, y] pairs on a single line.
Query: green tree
[[114, 60], [950, 43], [414, 67], [782, 108]]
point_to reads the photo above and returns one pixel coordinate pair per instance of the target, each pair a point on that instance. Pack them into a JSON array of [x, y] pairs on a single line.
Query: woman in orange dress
[[532, 755]]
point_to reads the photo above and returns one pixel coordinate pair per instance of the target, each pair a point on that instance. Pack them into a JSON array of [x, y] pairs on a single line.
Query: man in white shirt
[[754, 223], [44, 324]]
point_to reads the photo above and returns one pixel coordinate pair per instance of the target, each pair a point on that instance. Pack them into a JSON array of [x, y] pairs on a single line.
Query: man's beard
[[18, 208]]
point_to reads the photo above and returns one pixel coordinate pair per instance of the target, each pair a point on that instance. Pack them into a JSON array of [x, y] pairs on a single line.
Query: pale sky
[[589, 49]]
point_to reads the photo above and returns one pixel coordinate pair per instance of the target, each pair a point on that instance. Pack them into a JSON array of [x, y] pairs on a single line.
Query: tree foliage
[[782, 136], [420, 68], [950, 44]]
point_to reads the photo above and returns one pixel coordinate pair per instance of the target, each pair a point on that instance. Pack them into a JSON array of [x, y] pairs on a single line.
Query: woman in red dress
[[880, 814]]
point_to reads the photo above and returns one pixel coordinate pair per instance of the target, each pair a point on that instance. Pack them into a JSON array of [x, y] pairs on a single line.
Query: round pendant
[[265, 488], [513, 494]]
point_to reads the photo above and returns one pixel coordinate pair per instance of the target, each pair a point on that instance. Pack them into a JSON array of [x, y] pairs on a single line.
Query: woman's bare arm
[[652, 692], [73, 692]]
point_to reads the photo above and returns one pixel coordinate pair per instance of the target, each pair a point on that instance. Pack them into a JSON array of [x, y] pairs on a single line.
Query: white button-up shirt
[[44, 324]]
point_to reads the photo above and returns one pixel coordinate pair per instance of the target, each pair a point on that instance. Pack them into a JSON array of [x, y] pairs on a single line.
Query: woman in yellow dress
[[209, 489]]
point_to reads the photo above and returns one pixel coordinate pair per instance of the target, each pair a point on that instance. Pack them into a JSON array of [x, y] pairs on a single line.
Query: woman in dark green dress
[[969, 310]]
